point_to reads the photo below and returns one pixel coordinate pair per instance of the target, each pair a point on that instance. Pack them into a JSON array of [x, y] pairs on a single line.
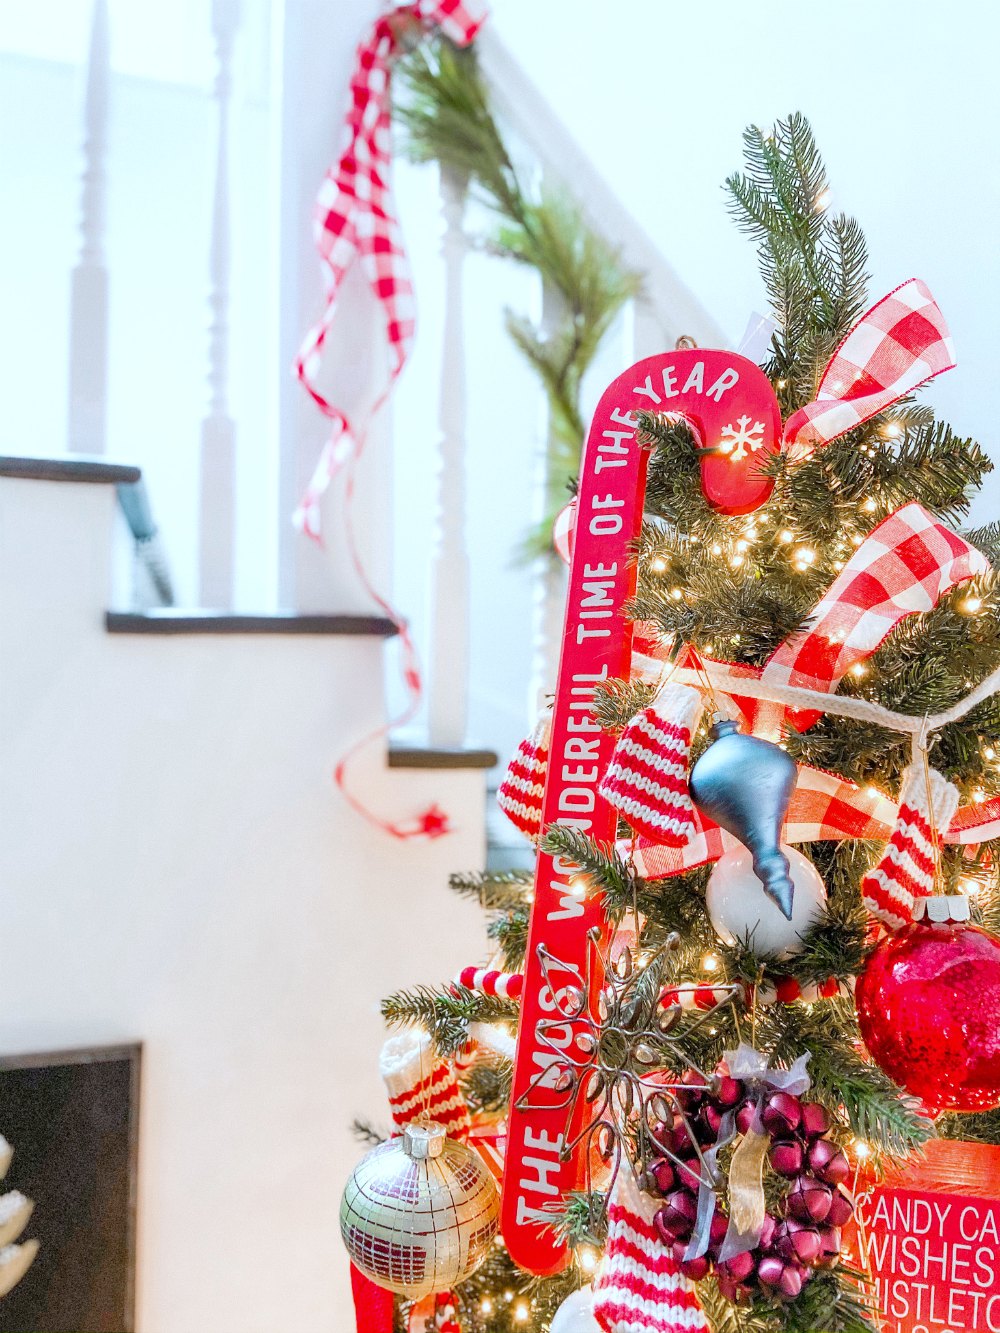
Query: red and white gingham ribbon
[[904, 566], [355, 221], [899, 344]]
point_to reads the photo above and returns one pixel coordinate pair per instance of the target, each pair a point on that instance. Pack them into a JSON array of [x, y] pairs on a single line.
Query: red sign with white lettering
[[715, 390], [931, 1236]]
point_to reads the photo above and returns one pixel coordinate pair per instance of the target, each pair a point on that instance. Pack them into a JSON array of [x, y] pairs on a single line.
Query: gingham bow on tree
[[903, 566], [899, 344], [896, 346]]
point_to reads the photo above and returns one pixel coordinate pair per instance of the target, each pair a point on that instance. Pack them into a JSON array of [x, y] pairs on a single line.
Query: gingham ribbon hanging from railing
[[355, 222]]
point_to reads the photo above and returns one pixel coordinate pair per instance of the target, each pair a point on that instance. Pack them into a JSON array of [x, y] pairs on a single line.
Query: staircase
[[179, 870]]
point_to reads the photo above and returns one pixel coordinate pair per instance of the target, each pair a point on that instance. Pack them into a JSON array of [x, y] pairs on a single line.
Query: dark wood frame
[[99, 1055]]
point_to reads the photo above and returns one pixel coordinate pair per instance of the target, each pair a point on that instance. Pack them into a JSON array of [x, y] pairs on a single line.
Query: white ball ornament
[[576, 1314], [739, 909]]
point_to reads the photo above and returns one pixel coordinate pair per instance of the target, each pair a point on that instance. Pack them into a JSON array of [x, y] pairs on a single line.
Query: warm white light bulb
[[804, 555], [676, 594], [971, 606], [658, 564], [785, 536], [710, 963], [822, 202], [486, 1306], [859, 669], [587, 1256], [869, 506], [861, 1149], [716, 549], [521, 1313]]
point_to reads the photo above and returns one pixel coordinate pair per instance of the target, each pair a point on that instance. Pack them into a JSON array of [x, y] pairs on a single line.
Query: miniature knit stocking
[[646, 780], [422, 1085], [519, 796], [639, 1287], [906, 870]]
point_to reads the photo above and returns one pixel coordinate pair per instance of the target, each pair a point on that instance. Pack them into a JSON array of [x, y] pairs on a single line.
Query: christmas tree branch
[[446, 1014]]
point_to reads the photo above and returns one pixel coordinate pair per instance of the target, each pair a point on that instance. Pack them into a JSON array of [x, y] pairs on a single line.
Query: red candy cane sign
[[731, 405]]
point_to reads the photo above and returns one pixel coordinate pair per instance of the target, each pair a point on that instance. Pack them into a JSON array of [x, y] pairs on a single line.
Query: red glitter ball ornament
[[928, 1004]]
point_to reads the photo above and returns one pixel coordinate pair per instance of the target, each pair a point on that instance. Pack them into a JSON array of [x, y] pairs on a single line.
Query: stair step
[[426, 756], [77, 468], [170, 620]]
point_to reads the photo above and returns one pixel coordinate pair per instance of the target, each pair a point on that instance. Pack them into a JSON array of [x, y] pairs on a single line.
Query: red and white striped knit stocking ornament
[[646, 780], [421, 1084], [519, 796], [639, 1287], [906, 870]]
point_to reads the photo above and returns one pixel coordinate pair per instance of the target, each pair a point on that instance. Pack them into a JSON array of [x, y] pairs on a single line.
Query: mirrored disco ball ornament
[[419, 1212], [739, 910], [745, 784]]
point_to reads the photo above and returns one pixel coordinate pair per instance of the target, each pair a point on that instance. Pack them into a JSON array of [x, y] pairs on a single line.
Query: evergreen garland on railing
[[445, 110]]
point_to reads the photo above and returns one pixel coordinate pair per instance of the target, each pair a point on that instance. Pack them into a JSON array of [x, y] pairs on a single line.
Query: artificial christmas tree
[[819, 597]]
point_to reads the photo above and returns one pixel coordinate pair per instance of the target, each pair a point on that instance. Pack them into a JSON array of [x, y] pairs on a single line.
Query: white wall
[[177, 868]]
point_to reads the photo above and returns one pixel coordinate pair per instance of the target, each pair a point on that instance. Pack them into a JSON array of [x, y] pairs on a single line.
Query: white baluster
[[218, 430], [449, 640], [88, 318], [550, 587]]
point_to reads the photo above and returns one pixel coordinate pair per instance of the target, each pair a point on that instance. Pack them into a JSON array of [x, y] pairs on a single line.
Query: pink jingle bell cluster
[[807, 1233]]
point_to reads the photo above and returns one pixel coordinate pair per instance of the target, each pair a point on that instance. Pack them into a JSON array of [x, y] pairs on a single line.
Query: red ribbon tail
[[373, 1305]]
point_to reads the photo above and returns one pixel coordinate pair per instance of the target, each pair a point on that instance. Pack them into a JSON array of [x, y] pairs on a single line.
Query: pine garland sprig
[[487, 1084], [447, 116], [834, 1302], [446, 1014], [616, 702], [367, 1133], [510, 931], [878, 1112], [602, 865], [494, 890]]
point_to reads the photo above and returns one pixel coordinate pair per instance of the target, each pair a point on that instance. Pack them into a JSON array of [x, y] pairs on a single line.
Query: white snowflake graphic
[[735, 439]]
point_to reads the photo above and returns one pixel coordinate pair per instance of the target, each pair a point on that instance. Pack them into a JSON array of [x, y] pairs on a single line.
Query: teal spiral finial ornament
[[744, 784]]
